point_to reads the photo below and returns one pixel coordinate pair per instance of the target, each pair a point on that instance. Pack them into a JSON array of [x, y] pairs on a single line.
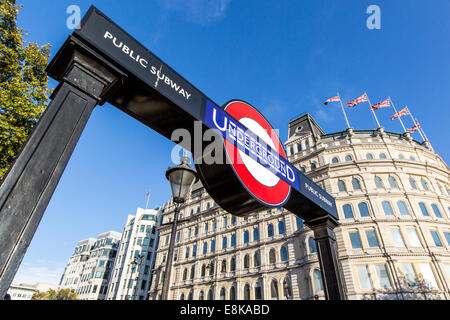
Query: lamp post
[[181, 178], [140, 257]]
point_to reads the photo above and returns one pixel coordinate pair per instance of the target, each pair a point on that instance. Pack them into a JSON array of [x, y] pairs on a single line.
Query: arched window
[[369, 156], [203, 270], [424, 184], [303, 169], [341, 186], [208, 206], [247, 292], [436, 210], [191, 294], [210, 294], [299, 222], [206, 226], [348, 211], [281, 229], [214, 225], [284, 253], [211, 269], [348, 157], [274, 289], [412, 158], [257, 259], [182, 296], [201, 295], [401, 156], [272, 257], [224, 242], [287, 288], [233, 264], [318, 285], [402, 208], [246, 261], [192, 272], [392, 182], [233, 240], [412, 182], [198, 209], [356, 185], [363, 209], [335, 160], [205, 247], [312, 245], [307, 143], [246, 236], [424, 209], [387, 208], [225, 221], [233, 219], [313, 166], [192, 212], [222, 294], [255, 234], [185, 274], [270, 230], [258, 291], [224, 266], [378, 182], [383, 156], [232, 293]]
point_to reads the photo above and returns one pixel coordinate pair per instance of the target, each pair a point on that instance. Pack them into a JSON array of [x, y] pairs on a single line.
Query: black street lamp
[[181, 178]]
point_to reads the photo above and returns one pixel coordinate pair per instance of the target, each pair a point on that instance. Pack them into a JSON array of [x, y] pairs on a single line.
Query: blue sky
[[283, 57]]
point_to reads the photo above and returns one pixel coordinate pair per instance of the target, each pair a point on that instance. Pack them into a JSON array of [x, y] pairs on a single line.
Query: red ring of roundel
[[272, 196]]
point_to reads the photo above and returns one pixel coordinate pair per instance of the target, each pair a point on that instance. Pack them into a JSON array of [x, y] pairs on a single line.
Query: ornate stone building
[[393, 199]]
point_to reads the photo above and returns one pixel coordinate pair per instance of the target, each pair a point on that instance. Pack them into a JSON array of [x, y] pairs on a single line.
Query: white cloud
[[40, 271], [198, 11]]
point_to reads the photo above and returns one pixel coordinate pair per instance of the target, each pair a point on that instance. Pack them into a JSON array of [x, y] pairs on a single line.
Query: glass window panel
[[387, 208], [413, 238], [436, 238], [436, 210], [383, 277], [402, 208], [348, 211], [424, 209], [355, 240], [372, 238], [365, 282], [410, 275], [428, 275], [397, 237], [447, 237], [363, 209]]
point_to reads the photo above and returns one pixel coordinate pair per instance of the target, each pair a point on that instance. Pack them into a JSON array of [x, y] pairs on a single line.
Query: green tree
[[23, 84], [62, 294]]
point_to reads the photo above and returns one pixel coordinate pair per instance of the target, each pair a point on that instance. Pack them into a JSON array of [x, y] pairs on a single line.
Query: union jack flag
[[416, 127], [401, 113], [334, 99], [353, 103], [384, 104]]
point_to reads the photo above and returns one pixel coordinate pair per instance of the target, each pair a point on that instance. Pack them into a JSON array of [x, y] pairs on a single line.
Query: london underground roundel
[[259, 181]]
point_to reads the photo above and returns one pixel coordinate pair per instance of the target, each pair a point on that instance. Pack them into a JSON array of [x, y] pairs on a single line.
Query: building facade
[[136, 254], [392, 195], [89, 268], [25, 291]]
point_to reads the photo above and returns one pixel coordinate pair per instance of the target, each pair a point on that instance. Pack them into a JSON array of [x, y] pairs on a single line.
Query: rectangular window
[[372, 238], [410, 274], [355, 240], [413, 237], [139, 241], [383, 276], [436, 238], [365, 282], [397, 238], [428, 275], [447, 236]]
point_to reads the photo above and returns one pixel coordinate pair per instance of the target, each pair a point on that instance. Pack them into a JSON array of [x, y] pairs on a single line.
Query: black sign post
[[102, 63]]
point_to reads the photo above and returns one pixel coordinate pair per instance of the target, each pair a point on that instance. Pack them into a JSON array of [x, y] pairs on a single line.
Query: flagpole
[[420, 129], [148, 197], [370, 105], [414, 121], [395, 110], [343, 110]]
